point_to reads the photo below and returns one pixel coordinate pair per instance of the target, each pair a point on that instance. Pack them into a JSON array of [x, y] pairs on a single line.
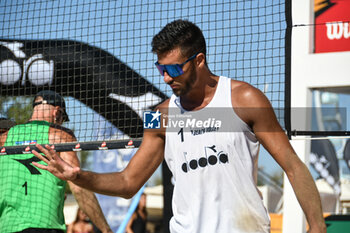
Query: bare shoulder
[[60, 134], [163, 107], [250, 104], [244, 95]]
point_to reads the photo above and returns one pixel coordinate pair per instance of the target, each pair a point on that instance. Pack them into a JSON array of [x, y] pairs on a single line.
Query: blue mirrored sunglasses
[[173, 70]]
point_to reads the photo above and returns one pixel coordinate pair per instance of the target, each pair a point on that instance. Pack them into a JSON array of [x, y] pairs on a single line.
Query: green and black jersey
[[29, 197]]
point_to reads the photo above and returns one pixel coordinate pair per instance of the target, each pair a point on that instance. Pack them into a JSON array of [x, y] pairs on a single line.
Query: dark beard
[[188, 84]]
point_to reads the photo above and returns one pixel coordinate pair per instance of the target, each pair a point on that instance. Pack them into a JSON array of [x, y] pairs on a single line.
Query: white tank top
[[214, 169]]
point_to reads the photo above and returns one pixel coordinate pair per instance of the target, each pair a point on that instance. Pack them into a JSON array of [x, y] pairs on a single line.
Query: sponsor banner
[[332, 26]]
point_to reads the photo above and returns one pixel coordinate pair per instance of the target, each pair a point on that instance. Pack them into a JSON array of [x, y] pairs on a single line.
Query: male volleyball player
[[214, 167], [32, 200]]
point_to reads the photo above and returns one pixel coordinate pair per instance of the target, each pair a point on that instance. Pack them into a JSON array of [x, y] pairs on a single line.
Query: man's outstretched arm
[[124, 184]]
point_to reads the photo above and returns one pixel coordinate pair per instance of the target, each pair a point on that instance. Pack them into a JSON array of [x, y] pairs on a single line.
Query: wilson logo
[[338, 30]]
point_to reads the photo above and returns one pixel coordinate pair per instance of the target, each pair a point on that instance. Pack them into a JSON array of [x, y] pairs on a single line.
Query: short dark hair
[[179, 33]]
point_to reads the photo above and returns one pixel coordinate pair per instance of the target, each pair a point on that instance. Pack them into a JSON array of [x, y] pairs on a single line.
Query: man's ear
[[58, 115], [56, 110], [200, 59]]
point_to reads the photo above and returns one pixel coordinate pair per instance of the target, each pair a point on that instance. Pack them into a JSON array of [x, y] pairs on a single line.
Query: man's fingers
[[50, 150], [40, 165], [40, 156], [52, 153], [43, 150]]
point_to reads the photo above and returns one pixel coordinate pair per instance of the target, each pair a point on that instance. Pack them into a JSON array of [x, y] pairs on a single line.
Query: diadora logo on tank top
[[212, 157]]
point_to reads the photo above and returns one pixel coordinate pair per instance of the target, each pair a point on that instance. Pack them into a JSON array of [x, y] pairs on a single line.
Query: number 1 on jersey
[[181, 132], [25, 188]]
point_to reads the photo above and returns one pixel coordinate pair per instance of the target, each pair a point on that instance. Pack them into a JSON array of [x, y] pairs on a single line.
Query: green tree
[[18, 109]]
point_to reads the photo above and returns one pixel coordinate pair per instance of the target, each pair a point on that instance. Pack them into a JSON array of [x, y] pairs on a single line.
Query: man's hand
[[55, 164]]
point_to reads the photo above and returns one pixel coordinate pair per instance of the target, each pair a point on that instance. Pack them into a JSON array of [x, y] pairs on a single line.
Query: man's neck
[[201, 95], [33, 118]]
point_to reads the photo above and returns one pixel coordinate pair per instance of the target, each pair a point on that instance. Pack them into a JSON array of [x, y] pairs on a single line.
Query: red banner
[[332, 30]]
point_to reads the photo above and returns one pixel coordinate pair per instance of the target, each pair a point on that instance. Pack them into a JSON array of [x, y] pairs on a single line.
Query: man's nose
[[167, 77]]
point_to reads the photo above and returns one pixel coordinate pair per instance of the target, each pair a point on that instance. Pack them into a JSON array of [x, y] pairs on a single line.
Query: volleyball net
[[97, 55]]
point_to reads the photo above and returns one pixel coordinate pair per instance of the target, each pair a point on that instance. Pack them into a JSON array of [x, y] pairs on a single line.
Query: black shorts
[[40, 230]]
